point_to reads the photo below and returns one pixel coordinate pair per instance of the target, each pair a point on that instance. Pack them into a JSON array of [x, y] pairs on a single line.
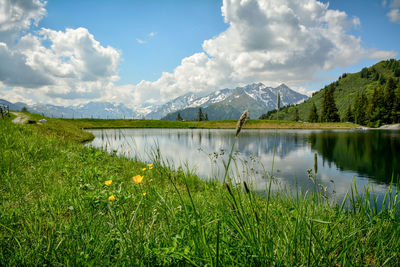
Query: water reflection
[[342, 155]]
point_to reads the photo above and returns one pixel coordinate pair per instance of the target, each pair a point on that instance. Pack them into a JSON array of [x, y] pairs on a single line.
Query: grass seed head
[[242, 120]]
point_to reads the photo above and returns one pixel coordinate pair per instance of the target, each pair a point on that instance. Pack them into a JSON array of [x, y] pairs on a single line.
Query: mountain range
[[230, 103], [221, 104]]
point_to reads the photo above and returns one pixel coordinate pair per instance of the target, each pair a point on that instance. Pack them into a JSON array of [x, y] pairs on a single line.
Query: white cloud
[[17, 15], [271, 41], [394, 15], [72, 67], [268, 41], [140, 41]]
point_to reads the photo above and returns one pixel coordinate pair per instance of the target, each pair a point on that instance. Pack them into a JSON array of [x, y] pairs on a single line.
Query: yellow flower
[[143, 169], [150, 165], [111, 198], [109, 182], [144, 193], [137, 179]]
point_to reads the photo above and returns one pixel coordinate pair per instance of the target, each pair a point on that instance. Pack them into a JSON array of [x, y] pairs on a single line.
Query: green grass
[[347, 89], [55, 210], [222, 124]]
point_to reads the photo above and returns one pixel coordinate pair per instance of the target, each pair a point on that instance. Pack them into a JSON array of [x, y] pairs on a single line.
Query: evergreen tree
[[313, 116], [360, 108], [348, 116], [296, 116], [200, 115], [375, 108], [179, 118], [329, 109], [206, 118], [397, 105], [389, 99], [382, 79], [364, 73]]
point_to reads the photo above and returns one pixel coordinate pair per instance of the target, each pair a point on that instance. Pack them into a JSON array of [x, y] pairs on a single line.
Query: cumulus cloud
[[15, 72], [394, 13], [52, 66], [17, 15], [269, 41]]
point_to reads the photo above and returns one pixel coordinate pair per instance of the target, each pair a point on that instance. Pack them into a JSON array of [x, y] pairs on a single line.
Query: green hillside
[[346, 90]]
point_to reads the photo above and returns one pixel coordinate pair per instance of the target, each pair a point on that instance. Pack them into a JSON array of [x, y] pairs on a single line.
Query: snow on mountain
[[230, 103], [256, 97]]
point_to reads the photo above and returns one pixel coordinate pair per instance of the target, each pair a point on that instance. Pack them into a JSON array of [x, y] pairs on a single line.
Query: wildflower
[[242, 120], [144, 193], [150, 166], [108, 182], [144, 169], [137, 179], [111, 198]]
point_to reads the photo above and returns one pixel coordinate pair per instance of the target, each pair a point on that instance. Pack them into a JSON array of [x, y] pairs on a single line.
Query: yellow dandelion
[[150, 165], [137, 179], [111, 198], [144, 193], [108, 182], [143, 169]]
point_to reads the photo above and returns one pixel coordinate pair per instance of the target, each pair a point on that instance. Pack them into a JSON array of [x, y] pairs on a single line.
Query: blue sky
[[139, 52], [180, 27]]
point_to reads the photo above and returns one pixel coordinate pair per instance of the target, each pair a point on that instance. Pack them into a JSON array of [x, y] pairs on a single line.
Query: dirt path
[[20, 119]]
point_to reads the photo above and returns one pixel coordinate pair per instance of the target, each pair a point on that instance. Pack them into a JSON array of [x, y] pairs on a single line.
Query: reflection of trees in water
[[374, 154]]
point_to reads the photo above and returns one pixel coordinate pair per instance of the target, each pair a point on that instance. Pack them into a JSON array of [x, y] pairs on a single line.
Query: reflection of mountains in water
[[374, 154], [250, 143]]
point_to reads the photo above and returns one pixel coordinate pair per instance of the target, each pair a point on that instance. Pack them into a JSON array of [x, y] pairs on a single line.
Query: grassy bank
[[66, 204], [227, 124]]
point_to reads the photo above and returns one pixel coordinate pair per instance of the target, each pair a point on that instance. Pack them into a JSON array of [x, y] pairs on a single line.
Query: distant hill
[[346, 90], [102, 110], [230, 103], [13, 106]]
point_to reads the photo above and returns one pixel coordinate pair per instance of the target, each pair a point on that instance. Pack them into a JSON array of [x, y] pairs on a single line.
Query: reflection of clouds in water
[[200, 151]]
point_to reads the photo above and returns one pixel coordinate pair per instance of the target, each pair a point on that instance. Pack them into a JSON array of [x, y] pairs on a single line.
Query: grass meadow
[[64, 204]]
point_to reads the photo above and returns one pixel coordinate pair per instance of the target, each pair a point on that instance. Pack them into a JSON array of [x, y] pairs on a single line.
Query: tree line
[[382, 107], [200, 116]]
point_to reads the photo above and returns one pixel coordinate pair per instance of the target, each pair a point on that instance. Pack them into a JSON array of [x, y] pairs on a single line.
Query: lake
[[343, 156]]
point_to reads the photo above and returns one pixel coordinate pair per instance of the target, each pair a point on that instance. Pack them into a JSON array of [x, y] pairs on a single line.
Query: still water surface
[[342, 156]]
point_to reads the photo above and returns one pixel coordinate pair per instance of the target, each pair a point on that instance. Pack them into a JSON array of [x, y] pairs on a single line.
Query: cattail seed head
[[256, 215], [246, 188], [229, 189], [242, 120]]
